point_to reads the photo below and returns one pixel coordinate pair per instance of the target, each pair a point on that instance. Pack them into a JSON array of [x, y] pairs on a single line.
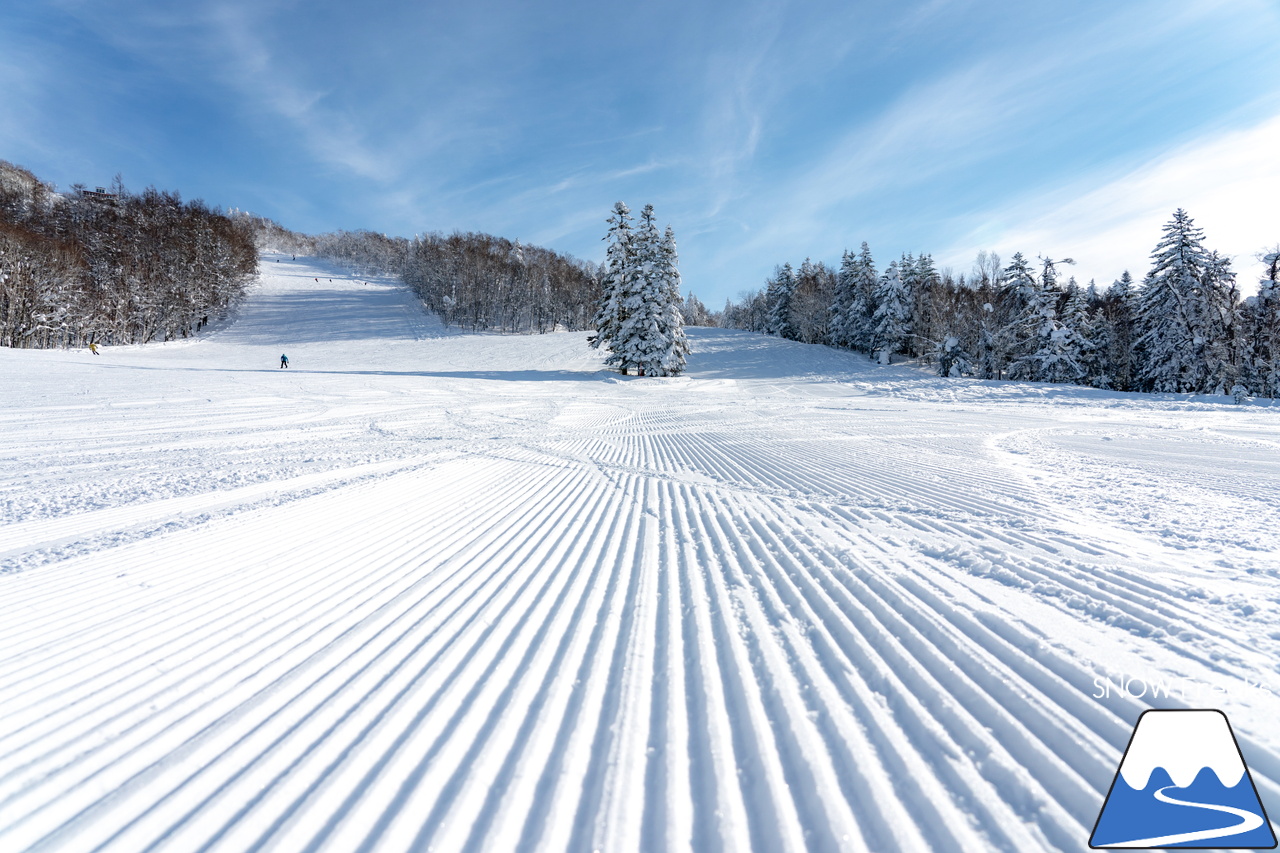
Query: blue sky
[[763, 132]]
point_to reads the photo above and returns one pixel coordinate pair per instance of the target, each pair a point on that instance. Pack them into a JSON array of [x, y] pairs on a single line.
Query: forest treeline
[[1184, 329], [118, 267], [485, 283], [112, 266], [115, 267]]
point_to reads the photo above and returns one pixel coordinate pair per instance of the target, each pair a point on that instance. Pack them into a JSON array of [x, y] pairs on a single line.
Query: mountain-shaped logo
[[1183, 783]]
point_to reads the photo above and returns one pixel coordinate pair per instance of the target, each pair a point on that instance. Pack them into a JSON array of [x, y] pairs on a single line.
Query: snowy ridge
[[522, 605]]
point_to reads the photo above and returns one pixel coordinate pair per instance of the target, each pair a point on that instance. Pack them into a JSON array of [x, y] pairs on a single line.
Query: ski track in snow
[[436, 591]]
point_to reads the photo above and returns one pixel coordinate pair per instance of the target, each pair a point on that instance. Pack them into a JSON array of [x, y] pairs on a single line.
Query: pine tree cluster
[[1184, 330], [640, 317]]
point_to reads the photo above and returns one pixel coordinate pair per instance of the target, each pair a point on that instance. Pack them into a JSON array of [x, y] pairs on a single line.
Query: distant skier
[[284, 361], [93, 348]]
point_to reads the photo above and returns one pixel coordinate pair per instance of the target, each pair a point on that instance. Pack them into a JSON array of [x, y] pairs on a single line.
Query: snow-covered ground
[[435, 591]]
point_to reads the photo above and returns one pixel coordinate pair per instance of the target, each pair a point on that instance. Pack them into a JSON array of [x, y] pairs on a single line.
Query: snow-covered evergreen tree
[[780, 294], [856, 301], [1004, 293], [1075, 310], [907, 272], [675, 346], [695, 313], [1223, 347], [928, 315], [842, 302], [1186, 315], [864, 298], [617, 275], [1025, 327], [1049, 273], [892, 319], [1115, 335], [983, 316], [1261, 318], [1018, 279], [1168, 309], [1058, 352], [1083, 315], [1077, 316], [811, 302], [637, 343], [643, 306]]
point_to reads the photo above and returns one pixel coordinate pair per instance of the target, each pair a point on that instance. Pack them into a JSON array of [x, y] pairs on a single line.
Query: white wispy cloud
[[974, 113], [952, 133], [252, 69], [19, 94], [764, 131], [228, 43], [1229, 181], [733, 108]]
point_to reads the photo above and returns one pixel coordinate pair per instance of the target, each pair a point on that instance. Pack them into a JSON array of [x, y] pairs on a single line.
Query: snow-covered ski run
[[433, 591]]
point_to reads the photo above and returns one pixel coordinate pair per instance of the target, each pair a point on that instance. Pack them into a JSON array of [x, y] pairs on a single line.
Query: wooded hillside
[[112, 266]]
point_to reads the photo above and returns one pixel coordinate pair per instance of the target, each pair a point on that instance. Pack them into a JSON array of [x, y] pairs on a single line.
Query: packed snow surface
[[427, 590]]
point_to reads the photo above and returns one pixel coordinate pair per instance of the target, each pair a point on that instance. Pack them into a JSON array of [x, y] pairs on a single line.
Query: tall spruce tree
[[1057, 357], [1022, 319], [1261, 317], [842, 302], [892, 319], [858, 328], [1224, 347], [1119, 311], [619, 269], [927, 309], [1186, 315], [637, 345], [780, 294], [864, 298], [675, 346]]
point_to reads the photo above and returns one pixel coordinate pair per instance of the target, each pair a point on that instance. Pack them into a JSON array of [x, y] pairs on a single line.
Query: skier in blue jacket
[[284, 361]]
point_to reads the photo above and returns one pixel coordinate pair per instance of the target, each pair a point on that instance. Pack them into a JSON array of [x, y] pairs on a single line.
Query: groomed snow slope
[[434, 591]]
